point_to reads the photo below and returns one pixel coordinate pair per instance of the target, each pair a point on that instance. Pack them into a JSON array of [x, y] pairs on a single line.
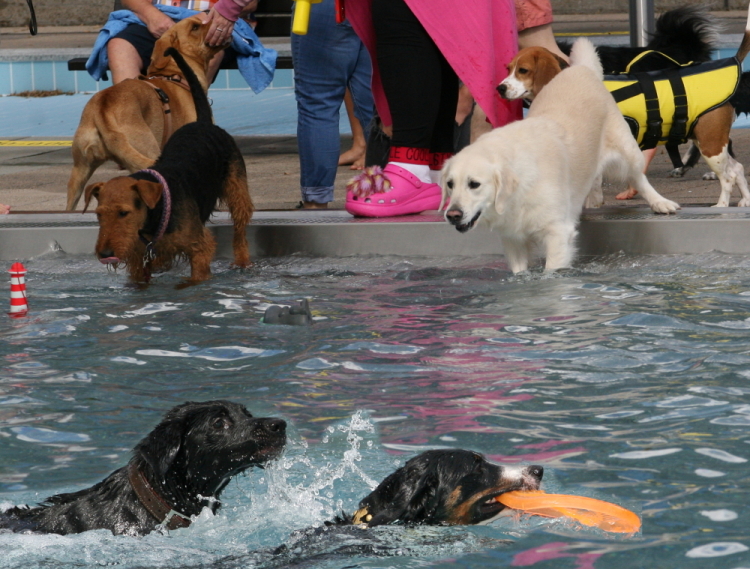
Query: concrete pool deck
[[34, 170]]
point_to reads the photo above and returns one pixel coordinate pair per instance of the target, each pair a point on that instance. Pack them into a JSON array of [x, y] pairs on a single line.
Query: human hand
[[220, 32], [157, 22]]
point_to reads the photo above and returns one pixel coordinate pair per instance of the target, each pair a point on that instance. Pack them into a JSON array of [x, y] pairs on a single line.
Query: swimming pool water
[[627, 378]]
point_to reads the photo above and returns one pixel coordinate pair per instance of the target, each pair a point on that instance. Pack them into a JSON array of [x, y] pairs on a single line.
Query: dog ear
[[160, 447], [425, 501], [150, 192], [419, 507], [505, 184], [159, 60], [91, 191], [561, 62], [547, 66]]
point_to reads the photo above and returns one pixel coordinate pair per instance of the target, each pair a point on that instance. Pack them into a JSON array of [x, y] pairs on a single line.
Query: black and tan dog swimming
[[157, 215], [443, 487], [438, 487], [178, 469]]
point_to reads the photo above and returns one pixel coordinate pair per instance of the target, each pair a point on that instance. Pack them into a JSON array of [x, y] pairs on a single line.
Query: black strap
[[32, 21], [678, 132], [625, 93], [653, 117], [162, 95]]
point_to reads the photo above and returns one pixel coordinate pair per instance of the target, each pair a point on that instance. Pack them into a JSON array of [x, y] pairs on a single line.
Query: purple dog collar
[[166, 211]]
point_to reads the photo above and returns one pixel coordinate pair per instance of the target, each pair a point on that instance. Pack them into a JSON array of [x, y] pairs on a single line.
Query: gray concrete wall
[[15, 13], [55, 12]]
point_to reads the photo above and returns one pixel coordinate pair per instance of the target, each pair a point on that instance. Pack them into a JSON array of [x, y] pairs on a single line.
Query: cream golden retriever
[[529, 180]]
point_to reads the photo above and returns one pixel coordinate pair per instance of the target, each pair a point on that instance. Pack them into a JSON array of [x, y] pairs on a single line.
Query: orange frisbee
[[588, 511]]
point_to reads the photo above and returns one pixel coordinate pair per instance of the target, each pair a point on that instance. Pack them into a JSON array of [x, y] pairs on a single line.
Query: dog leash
[[166, 213], [164, 98], [154, 503]]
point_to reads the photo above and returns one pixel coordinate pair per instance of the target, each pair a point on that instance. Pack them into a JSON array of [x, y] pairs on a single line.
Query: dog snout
[[532, 477], [502, 89], [536, 471], [454, 216], [273, 426], [107, 256]]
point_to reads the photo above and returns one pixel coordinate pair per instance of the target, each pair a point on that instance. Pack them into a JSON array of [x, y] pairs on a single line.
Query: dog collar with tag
[[166, 212], [154, 503]]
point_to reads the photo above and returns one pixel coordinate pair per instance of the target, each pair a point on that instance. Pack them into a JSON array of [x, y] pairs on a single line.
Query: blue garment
[[256, 63], [327, 60]]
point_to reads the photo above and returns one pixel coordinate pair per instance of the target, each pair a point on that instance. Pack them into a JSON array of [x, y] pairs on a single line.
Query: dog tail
[[689, 29], [745, 45], [202, 106], [584, 53]]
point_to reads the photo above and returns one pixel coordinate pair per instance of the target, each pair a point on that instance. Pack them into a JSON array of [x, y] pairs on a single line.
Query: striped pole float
[[19, 306]]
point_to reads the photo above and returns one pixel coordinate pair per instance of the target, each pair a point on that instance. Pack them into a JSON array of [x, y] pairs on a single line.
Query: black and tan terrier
[[153, 217]]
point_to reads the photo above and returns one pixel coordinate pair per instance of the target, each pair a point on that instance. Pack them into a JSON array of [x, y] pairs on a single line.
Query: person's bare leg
[[356, 154], [465, 104], [631, 192], [124, 61], [541, 36], [479, 123]]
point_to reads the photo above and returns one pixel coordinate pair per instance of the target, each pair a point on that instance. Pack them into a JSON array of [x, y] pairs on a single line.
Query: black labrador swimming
[[178, 469]]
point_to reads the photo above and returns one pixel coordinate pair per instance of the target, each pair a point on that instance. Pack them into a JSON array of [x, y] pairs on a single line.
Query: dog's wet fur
[[187, 459], [202, 165], [448, 487], [443, 487]]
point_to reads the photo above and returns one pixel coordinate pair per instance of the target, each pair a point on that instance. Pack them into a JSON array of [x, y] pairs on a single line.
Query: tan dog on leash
[[130, 122]]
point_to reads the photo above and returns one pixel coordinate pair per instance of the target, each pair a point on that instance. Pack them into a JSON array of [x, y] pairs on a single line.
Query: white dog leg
[[621, 143], [738, 173], [596, 195], [517, 253], [719, 165], [560, 245], [658, 203]]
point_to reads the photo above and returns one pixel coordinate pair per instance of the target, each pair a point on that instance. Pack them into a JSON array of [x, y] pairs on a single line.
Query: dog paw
[[677, 173], [593, 202], [665, 206], [710, 176], [744, 202]]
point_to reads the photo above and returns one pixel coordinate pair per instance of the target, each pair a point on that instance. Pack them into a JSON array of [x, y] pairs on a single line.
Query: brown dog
[[154, 216], [130, 122]]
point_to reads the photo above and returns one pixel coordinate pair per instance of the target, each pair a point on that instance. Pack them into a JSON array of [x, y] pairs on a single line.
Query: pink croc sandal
[[390, 191]]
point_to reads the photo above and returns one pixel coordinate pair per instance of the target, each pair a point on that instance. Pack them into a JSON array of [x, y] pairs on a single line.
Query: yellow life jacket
[[663, 106]]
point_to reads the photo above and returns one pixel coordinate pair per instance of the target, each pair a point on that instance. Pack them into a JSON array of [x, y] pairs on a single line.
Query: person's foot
[[628, 194], [389, 191], [354, 156], [312, 205]]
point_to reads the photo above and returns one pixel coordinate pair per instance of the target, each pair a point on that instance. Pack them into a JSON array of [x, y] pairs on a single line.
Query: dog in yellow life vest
[[687, 102]]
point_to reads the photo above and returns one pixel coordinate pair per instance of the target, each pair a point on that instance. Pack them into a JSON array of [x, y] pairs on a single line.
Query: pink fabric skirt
[[477, 37]]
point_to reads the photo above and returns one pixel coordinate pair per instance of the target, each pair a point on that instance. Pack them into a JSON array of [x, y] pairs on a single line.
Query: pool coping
[[335, 233]]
